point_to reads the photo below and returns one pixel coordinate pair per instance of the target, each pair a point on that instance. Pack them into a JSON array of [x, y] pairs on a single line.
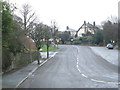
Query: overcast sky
[[71, 13]]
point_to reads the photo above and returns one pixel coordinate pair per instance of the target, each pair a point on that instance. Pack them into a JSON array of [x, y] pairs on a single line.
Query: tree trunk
[[47, 50], [38, 58]]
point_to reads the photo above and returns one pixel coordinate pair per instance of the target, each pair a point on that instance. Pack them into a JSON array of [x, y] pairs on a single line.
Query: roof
[[71, 30], [91, 26]]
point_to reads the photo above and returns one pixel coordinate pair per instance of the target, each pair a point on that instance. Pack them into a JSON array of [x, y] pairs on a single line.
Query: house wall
[[91, 30], [82, 31], [73, 33]]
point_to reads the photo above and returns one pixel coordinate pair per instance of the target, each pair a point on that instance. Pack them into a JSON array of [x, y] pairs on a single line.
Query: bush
[[9, 61], [6, 59], [76, 42], [23, 59]]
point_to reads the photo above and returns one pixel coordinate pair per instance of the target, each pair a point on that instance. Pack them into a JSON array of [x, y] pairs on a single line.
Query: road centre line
[[86, 75]]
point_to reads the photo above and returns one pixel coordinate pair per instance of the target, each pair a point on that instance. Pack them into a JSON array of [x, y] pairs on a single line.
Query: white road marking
[[77, 66], [98, 81], [54, 54], [86, 75], [79, 70], [34, 71], [77, 63]]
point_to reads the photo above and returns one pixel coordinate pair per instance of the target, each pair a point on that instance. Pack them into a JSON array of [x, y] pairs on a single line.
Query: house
[[84, 29], [87, 27], [72, 32]]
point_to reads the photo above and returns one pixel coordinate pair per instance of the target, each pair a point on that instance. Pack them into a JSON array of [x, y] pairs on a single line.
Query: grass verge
[[51, 48]]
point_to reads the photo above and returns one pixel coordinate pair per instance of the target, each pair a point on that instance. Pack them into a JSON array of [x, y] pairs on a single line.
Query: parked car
[[109, 46]]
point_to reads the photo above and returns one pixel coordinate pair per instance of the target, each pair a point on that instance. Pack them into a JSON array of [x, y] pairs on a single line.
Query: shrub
[[6, 59]]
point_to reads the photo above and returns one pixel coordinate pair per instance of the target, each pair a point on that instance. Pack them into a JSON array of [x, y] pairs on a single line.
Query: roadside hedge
[[10, 62]]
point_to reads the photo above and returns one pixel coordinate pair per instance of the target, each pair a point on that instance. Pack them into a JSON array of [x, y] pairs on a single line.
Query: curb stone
[[33, 71]]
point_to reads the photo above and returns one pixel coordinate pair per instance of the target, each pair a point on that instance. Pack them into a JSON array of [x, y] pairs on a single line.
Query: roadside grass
[[51, 48]]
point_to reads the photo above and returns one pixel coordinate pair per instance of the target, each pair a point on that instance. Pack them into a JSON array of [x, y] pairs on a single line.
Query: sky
[[71, 13]]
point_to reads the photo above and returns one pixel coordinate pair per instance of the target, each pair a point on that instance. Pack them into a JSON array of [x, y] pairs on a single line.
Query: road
[[74, 67]]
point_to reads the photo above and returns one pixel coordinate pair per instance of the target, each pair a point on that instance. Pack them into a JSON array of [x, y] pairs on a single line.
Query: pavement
[[14, 79], [111, 55]]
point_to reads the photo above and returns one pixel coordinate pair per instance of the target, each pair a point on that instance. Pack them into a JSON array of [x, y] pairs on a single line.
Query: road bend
[[74, 67]]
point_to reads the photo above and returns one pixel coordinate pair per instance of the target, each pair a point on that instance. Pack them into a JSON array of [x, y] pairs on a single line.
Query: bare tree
[[28, 17], [37, 34], [54, 30], [47, 36], [41, 34]]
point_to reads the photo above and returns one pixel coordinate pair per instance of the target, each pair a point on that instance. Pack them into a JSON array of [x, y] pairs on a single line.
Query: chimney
[[94, 23], [85, 22], [67, 27], [85, 27], [94, 26]]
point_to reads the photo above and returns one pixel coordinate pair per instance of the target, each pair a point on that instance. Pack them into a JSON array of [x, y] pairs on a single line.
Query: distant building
[[72, 32], [87, 28], [84, 29]]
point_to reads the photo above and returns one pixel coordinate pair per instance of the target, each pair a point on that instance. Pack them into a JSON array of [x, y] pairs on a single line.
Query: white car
[[109, 46]]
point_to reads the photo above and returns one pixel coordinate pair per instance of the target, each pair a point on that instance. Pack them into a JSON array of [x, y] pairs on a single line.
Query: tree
[[98, 37], [65, 36], [110, 31], [7, 23], [18, 21], [38, 35], [47, 36], [41, 34], [8, 28], [54, 30], [0, 37], [10, 37], [28, 17]]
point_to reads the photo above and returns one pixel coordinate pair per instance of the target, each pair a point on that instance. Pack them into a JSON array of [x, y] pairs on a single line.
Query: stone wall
[[18, 61]]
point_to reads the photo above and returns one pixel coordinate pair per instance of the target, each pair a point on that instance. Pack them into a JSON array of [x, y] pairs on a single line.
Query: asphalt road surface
[[74, 67]]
